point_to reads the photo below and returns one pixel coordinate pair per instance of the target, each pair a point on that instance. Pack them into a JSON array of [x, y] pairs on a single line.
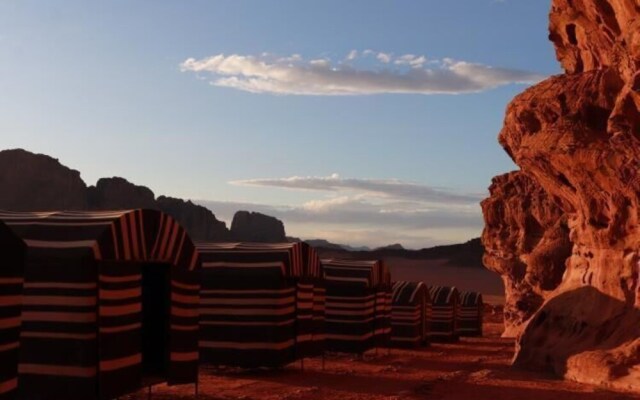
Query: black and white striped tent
[[262, 304], [358, 310], [410, 314], [471, 310], [102, 301], [445, 313]]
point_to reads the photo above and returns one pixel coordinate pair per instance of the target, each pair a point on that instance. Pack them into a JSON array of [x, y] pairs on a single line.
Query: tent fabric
[[411, 314], [12, 256], [358, 309], [262, 304], [471, 310], [81, 317], [445, 313]]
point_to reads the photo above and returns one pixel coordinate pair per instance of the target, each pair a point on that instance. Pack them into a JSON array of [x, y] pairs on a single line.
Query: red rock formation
[[526, 241], [578, 136], [36, 182], [255, 227], [118, 193], [198, 221]]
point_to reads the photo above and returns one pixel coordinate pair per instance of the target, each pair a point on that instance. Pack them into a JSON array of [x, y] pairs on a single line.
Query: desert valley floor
[[474, 369]]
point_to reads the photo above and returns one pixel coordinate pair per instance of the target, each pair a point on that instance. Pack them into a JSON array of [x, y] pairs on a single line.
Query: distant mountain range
[[468, 254], [37, 182], [328, 245]]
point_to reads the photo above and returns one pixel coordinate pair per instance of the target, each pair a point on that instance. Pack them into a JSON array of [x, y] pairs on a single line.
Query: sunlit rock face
[[526, 241], [578, 136]]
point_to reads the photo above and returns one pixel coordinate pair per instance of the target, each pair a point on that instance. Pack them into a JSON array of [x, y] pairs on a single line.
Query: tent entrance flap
[[155, 319]]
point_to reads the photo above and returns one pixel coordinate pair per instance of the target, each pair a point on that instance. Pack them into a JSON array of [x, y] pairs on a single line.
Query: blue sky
[[134, 89]]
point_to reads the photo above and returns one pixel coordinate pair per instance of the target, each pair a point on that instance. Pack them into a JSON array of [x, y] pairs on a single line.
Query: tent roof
[[124, 235], [298, 258], [372, 272], [444, 294], [470, 299], [408, 292]]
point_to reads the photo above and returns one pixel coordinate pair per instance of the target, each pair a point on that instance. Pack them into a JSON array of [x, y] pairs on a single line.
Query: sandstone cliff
[[118, 193], [255, 227], [526, 241], [36, 182], [578, 136], [199, 221]]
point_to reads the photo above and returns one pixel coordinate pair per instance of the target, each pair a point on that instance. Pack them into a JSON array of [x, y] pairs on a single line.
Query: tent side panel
[[247, 318], [119, 329], [319, 320], [58, 357], [350, 318], [12, 254]]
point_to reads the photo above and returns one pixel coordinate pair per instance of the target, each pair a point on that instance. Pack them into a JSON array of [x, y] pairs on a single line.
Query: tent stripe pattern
[[411, 314], [262, 304], [445, 310], [12, 251], [81, 320], [471, 310], [358, 310]]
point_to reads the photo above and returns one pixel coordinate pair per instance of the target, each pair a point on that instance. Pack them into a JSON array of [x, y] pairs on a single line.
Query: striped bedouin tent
[[358, 309], [98, 304], [262, 304], [471, 311], [410, 314], [445, 304]]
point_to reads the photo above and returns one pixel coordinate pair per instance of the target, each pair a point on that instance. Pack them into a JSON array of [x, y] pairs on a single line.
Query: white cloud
[[295, 75], [384, 58], [411, 60], [389, 188]]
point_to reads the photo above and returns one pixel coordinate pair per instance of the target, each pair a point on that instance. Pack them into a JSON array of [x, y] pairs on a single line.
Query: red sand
[[474, 369]]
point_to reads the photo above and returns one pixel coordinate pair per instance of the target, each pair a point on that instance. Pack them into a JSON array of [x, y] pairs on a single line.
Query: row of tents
[[94, 304]]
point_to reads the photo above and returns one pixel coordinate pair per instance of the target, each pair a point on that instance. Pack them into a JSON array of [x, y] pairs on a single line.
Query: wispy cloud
[[376, 73], [373, 212], [390, 188]]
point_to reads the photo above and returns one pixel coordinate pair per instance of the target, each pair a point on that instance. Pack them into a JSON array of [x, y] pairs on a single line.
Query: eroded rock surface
[[526, 241], [578, 136]]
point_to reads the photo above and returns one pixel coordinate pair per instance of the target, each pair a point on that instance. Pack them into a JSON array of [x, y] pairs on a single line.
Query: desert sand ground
[[473, 369]]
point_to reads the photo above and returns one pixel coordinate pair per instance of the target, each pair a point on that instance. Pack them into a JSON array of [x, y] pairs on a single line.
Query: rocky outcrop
[[255, 227], [578, 136], [199, 222], [526, 241], [118, 193], [30, 182], [36, 182]]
